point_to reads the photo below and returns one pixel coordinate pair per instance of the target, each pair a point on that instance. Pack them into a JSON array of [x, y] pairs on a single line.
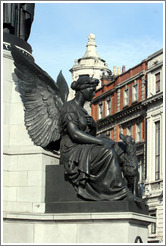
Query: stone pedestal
[[24, 163], [122, 227], [39, 206]]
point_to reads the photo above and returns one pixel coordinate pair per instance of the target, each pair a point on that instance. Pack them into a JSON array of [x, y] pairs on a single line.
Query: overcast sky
[[126, 33]]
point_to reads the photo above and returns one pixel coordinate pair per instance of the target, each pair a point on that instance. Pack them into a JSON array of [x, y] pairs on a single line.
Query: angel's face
[[89, 93]]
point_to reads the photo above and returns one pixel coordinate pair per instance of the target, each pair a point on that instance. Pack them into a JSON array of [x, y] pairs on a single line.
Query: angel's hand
[[81, 137], [107, 143]]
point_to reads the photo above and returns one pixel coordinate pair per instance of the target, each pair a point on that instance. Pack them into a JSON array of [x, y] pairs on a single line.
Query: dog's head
[[127, 139]]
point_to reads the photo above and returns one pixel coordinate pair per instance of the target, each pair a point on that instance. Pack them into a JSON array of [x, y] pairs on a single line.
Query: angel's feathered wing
[[42, 99]]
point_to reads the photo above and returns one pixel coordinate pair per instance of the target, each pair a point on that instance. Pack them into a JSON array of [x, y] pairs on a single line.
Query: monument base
[[122, 227], [61, 197], [24, 163]]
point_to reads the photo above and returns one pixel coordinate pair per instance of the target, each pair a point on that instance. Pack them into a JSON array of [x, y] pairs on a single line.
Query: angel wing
[[42, 99]]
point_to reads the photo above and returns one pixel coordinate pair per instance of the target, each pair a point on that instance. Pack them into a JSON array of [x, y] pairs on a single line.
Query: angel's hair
[[84, 82]]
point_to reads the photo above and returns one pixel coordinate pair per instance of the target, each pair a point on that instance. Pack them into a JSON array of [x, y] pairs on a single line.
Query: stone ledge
[[18, 150], [9, 38], [78, 216]]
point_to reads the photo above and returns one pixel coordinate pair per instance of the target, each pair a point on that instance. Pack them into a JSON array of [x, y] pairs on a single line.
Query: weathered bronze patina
[[18, 18], [99, 168]]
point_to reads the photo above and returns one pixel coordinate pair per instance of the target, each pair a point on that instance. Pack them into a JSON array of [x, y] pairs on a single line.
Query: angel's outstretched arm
[[82, 137]]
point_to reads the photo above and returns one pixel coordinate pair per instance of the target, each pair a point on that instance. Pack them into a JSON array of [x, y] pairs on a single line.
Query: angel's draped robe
[[93, 170]]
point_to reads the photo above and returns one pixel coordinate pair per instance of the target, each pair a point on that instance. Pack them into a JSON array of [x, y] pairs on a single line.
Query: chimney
[[118, 70], [123, 68], [114, 70]]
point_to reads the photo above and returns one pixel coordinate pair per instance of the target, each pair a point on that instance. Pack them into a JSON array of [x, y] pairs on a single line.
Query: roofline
[[155, 54], [116, 76]]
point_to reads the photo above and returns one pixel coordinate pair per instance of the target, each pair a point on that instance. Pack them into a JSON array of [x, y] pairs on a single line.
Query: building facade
[[154, 120], [117, 107], [131, 103]]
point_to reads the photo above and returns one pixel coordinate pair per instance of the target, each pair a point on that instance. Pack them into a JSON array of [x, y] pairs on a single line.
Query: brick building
[[132, 103], [117, 107]]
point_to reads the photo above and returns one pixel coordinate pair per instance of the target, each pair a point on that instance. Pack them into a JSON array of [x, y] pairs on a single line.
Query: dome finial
[[91, 47], [91, 36]]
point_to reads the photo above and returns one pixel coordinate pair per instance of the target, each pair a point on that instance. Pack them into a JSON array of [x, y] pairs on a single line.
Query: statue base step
[[70, 228], [96, 206], [61, 197]]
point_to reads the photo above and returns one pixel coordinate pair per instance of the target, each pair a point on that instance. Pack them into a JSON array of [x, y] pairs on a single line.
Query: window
[[129, 131], [153, 225], [100, 110], [108, 106], [138, 132], [125, 97], [140, 168], [157, 150], [135, 93], [120, 129], [157, 82]]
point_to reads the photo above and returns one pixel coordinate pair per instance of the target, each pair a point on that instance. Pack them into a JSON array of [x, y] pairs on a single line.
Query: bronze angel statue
[[95, 165]]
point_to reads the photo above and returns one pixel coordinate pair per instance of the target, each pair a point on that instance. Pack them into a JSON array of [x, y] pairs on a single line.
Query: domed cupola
[[90, 63]]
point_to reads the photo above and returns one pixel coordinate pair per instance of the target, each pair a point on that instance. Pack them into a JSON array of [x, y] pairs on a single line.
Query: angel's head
[[86, 85]]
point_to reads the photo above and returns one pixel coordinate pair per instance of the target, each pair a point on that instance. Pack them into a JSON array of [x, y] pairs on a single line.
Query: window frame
[[138, 126], [153, 227], [157, 150], [141, 168], [100, 110], [157, 81], [130, 130], [135, 99], [108, 106], [125, 104]]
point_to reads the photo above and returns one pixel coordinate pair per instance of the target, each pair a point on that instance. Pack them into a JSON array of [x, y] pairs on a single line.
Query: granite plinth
[[61, 197]]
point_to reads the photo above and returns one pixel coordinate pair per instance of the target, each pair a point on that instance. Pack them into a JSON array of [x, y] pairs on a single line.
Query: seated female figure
[[91, 163]]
